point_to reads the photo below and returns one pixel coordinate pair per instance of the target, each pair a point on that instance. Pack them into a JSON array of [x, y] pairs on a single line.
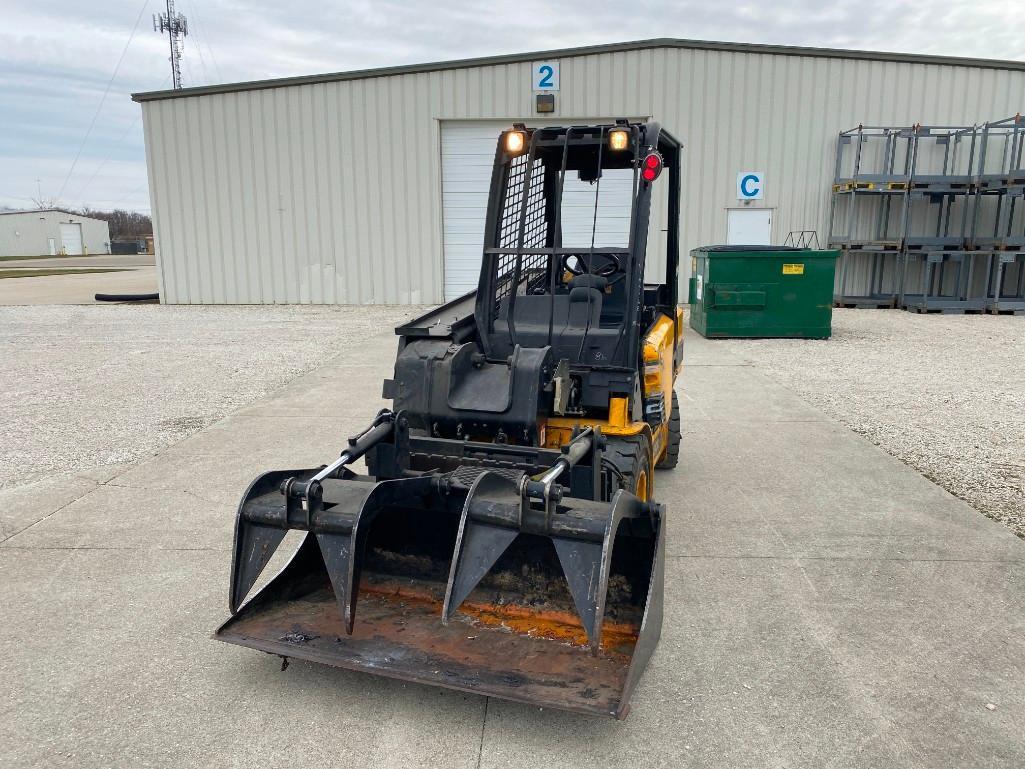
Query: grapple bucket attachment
[[462, 580]]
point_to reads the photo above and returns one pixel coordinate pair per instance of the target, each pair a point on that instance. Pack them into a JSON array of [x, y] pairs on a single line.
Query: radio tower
[[177, 28]]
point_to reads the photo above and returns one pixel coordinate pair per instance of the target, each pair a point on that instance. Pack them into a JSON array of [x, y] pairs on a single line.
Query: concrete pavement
[[825, 606], [75, 289]]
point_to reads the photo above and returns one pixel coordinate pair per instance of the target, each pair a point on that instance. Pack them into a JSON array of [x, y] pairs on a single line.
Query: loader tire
[[631, 458], [672, 455]]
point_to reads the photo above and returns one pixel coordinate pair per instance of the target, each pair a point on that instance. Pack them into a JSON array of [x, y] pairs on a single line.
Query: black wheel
[[628, 466], [672, 455]]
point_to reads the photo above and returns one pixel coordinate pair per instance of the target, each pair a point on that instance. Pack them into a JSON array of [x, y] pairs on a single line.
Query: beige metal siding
[[27, 233], [24, 234], [331, 192]]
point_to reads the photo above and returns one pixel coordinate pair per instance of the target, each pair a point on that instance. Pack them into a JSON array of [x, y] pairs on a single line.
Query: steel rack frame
[[943, 160], [945, 282], [1006, 290], [873, 167], [998, 215]]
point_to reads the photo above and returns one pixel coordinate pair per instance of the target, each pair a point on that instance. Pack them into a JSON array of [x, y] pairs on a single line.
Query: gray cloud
[[56, 58]]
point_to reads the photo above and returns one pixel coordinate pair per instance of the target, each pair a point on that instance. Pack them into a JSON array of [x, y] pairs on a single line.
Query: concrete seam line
[[859, 558], [54, 512], [133, 549], [483, 725], [111, 484]]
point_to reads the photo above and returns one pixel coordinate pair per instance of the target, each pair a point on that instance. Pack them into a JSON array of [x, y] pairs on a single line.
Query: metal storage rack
[[997, 225], [946, 282], [1001, 183], [867, 213], [938, 273], [931, 218], [1007, 290]]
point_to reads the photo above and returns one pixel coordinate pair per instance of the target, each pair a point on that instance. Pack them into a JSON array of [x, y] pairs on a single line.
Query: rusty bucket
[[457, 581]]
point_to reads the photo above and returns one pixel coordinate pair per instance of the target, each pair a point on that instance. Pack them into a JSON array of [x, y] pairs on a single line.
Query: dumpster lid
[[750, 248]]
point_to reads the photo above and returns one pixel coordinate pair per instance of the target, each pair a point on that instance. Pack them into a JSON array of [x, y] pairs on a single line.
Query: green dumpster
[[762, 291]]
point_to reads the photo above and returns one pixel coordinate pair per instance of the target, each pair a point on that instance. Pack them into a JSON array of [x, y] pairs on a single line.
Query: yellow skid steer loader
[[505, 539]]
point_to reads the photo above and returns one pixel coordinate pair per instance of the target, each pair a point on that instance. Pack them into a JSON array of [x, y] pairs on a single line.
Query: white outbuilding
[[51, 231], [371, 186]]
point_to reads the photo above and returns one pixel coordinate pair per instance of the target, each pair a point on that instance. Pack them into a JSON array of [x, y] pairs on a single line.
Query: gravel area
[[85, 386], [943, 393]]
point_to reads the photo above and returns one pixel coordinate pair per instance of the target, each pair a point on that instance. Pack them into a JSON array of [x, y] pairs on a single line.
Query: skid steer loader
[[504, 539]]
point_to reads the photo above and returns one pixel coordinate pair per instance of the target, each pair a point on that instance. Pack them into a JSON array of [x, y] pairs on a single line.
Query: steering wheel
[[611, 267]]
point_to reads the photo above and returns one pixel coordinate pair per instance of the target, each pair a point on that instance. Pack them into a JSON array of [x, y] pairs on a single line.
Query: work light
[[619, 139], [514, 141]]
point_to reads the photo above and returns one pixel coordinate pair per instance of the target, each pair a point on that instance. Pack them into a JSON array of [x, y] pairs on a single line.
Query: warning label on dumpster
[[793, 269]]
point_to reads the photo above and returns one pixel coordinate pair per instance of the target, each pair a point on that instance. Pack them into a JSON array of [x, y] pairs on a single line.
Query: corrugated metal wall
[[331, 192]]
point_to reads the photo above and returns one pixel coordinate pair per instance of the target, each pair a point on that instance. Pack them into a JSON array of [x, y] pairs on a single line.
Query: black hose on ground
[[128, 297]]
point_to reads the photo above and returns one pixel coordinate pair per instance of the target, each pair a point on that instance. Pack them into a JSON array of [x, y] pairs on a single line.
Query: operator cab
[[585, 301]]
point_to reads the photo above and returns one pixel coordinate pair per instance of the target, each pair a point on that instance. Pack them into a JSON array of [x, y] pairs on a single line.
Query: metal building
[[51, 231], [370, 186]]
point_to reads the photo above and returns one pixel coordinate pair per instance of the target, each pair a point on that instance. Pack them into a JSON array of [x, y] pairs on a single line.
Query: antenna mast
[[177, 28]]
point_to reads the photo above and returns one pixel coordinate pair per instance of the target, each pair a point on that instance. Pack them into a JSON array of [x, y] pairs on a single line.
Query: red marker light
[[651, 167]]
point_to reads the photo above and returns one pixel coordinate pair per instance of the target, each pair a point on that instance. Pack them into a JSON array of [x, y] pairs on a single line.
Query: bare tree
[[123, 224], [43, 204]]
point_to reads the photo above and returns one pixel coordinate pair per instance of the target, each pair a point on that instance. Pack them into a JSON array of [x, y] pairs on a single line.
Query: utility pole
[[177, 28]]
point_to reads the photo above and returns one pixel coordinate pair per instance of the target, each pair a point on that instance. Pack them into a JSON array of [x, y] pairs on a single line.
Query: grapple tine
[[581, 563], [339, 547], [337, 552], [355, 506], [586, 565], [479, 545], [255, 544], [478, 548]]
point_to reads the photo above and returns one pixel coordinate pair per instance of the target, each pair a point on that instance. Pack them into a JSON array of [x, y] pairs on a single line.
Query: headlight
[[619, 139], [514, 141]]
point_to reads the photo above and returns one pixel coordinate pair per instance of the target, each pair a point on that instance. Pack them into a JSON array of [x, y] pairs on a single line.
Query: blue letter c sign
[[749, 186]]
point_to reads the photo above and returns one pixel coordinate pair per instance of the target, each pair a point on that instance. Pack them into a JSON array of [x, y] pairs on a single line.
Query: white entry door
[[749, 227], [467, 159], [71, 237]]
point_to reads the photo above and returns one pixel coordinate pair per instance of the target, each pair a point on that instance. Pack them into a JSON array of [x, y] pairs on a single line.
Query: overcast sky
[[57, 58]]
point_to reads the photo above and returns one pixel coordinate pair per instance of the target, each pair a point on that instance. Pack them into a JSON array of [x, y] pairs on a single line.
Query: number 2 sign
[[546, 76]]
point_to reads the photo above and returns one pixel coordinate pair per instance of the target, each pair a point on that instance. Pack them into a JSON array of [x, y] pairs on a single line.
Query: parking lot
[[826, 604]]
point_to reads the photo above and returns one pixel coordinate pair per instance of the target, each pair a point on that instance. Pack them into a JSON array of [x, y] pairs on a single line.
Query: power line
[[117, 143], [202, 59], [110, 82], [194, 30], [204, 39], [136, 191], [81, 193]]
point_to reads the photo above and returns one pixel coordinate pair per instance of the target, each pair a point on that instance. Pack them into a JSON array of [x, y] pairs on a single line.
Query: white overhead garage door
[[467, 158], [71, 237]]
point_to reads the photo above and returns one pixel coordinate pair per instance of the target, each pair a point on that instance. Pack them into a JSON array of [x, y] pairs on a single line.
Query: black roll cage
[[509, 244]]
